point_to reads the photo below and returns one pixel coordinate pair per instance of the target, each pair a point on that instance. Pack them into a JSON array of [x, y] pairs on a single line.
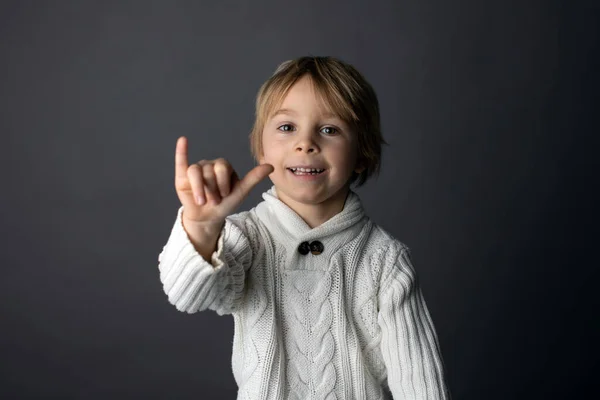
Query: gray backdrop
[[485, 105]]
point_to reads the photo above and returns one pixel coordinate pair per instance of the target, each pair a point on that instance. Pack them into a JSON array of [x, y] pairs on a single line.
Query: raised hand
[[211, 190]]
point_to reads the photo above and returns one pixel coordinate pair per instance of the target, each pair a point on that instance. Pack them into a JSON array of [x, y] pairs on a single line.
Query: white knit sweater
[[349, 323]]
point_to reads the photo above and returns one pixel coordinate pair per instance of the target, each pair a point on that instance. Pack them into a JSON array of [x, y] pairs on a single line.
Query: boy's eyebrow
[[289, 111], [284, 111]]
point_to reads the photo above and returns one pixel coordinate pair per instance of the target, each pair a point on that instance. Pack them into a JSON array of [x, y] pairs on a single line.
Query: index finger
[[181, 158]]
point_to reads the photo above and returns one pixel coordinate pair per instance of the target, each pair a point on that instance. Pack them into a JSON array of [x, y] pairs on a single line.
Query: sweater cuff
[[179, 261]]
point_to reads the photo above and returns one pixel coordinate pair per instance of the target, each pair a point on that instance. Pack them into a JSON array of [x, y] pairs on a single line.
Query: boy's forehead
[[293, 102]]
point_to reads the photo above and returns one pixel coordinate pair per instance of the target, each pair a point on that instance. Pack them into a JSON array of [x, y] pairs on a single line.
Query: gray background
[[487, 106]]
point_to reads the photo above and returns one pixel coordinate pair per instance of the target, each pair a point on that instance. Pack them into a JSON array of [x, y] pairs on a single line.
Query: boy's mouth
[[305, 171]]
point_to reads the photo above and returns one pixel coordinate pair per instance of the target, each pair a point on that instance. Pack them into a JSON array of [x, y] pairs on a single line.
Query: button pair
[[315, 248]]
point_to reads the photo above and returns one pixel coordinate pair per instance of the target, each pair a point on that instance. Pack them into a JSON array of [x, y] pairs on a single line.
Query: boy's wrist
[[203, 236], [208, 229]]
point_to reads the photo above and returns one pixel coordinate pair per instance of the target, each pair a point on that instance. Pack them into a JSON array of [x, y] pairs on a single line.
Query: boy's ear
[[359, 168]]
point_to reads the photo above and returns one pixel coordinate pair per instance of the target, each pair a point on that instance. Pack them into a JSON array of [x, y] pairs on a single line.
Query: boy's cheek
[[262, 159], [266, 157]]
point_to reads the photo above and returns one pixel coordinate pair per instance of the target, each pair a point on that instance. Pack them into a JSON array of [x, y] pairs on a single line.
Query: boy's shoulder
[[384, 240], [385, 254]]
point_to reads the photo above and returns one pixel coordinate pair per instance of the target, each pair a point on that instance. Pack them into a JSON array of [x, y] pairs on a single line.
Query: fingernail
[[199, 200]]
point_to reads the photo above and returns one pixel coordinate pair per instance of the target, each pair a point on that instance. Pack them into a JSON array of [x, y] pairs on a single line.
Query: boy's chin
[[308, 196]]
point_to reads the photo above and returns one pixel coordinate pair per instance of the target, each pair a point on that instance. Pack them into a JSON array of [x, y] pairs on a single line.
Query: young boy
[[326, 304]]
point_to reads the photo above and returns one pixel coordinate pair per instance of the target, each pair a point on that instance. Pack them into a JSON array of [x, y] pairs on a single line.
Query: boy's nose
[[307, 149], [307, 144]]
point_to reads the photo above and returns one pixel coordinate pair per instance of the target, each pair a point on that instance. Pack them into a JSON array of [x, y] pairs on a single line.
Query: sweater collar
[[281, 219]]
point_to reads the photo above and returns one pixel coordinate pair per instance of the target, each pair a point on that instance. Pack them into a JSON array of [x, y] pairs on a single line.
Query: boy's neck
[[316, 214]]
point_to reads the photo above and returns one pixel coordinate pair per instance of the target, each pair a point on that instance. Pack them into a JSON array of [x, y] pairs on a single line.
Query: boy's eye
[[286, 128], [328, 130]]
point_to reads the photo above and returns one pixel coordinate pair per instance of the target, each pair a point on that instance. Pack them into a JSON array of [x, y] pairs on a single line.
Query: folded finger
[[223, 175], [194, 174], [211, 189]]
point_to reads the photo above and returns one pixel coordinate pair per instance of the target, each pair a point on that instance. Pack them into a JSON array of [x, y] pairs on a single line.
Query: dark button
[[304, 248], [316, 247]]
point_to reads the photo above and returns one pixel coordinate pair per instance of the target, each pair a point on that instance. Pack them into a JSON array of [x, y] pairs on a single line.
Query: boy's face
[[304, 134]]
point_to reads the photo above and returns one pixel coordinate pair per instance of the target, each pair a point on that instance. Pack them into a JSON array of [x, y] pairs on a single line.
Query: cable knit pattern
[[349, 323], [311, 347]]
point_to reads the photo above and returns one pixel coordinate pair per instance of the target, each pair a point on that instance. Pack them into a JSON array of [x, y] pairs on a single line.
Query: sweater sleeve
[[191, 283], [409, 343]]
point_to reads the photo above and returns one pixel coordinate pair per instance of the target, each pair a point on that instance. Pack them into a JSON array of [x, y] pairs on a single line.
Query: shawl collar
[[287, 225]]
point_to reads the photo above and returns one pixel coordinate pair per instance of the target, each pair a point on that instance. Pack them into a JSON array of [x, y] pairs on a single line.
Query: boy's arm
[[194, 275], [194, 284], [409, 343]]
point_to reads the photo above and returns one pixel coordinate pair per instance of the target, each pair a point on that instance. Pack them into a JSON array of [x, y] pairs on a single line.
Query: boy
[[326, 304]]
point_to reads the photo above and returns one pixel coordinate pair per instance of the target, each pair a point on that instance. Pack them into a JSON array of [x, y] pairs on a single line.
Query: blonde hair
[[343, 88]]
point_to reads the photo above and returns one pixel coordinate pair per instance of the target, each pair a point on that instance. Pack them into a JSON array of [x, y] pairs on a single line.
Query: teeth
[[307, 170]]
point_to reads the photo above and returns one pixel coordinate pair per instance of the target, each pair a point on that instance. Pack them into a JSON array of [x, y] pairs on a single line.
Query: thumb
[[253, 178]]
